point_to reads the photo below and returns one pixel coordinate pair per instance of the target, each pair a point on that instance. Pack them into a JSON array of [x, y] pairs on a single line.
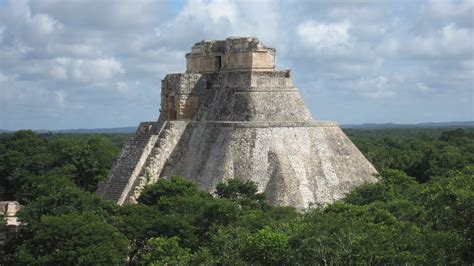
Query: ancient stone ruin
[[9, 219], [231, 114]]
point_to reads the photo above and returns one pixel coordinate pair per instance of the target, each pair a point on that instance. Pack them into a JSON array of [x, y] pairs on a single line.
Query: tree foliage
[[86, 160], [243, 192], [73, 239], [164, 251], [420, 211]]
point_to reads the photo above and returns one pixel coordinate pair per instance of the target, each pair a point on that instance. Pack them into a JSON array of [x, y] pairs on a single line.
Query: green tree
[[73, 239], [449, 204], [22, 155], [163, 189], [243, 192], [268, 247], [25, 154], [139, 223], [54, 196], [188, 212], [394, 184], [420, 212], [228, 244], [91, 158], [347, 234], [164, 251]]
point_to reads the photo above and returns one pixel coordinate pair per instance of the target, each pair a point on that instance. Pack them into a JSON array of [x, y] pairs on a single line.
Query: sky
[[99, 63]]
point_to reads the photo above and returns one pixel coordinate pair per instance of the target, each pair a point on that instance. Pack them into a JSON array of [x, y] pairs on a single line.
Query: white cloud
[[44, 24], [123, 87], [22, 22], [215, 11], [376, 88], [2, 32], [423, 88], [98, 69], [58, 73], [100, 15], [85, 70], [450, 9], [59, 55], [454, 38], [3, 78], [323, 36], [451, 40], [60, 98]]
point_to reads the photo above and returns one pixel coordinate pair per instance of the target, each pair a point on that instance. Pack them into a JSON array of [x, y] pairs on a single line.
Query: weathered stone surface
[[232, 54], [8, 210], [8, 216], [239, 121], [130, 162], [295, 165]]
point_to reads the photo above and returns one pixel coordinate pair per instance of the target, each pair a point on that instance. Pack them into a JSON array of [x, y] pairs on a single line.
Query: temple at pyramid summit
[[232, 114]]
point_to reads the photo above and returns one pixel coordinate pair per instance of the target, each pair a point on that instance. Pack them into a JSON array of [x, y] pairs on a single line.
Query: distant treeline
[[429, 125], [131, 130], [421, 211]]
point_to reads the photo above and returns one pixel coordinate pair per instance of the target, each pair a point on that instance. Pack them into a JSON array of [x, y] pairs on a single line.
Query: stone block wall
[[232, 54], [232, 96], [295, 164], [201, 64], [273, 79], [186, 107], [180, 95], [251, 96]]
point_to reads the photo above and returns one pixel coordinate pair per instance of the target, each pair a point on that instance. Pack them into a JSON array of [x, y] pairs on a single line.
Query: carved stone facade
[[179, 96], [232, 54], [231, 114]]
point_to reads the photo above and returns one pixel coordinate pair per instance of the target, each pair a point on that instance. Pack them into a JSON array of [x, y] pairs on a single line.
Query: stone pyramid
[[231, 114]]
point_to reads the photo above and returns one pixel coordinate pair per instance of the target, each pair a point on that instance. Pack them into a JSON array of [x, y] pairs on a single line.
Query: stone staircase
[[158, 158], [131, 159]]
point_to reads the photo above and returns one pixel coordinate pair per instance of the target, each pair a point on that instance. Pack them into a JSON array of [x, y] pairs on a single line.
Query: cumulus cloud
[[375, 88], [215, 12], [323, 36], [26, 26], [450, 41], [460, 10], [423, 88], [98, 63], [87, 70], [200, 19]]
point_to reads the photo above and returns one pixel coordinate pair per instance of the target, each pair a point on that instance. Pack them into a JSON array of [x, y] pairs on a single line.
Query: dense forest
[[421, 211]]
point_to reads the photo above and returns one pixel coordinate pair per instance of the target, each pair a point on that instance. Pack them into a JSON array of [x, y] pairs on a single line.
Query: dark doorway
[[218, 62]]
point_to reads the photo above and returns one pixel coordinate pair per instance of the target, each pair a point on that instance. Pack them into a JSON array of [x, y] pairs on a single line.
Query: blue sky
[[99, 63]]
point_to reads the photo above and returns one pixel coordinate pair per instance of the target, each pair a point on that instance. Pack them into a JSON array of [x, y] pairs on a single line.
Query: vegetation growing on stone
[[419, 213]]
